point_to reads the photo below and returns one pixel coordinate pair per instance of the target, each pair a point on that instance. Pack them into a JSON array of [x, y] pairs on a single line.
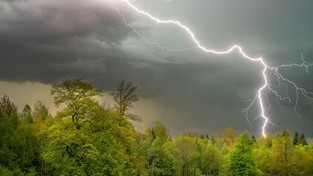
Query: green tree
[[228, 136], [158, 130], [10, 140], [100, 147], [261, 153], [242, 162], [94, 141], [186, 156], [302, 161], [280, 162], [72, 90], [210, 159], [299, 140], [159, 160], [302, 140], [26, 114], [17, 140], [296, 139], [78, 98], [42, 122]]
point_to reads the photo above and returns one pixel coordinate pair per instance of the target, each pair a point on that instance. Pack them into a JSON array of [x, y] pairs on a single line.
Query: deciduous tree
[[124, 98], [78, 97]]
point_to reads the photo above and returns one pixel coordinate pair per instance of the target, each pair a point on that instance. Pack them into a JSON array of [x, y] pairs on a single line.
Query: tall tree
[[124, 98], [78, 97], [159, 161], [10, 140], [281, 155], [302, 161], [7, 108], [296, 139], [27, 114], [241, 160], [17, 146], [102, 142], [302, 140], [187, 155], [160, 131], [210, 159], [71, 90], [228, 136]]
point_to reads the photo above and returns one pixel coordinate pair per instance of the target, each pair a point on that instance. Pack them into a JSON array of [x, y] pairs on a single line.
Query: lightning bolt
[[261, 96], [147, 39]]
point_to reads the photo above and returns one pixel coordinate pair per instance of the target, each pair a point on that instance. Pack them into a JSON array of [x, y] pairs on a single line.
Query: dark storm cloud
[[47, 41]]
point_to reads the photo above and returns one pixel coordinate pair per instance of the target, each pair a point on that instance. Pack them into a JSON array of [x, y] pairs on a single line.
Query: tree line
[[86, 138]]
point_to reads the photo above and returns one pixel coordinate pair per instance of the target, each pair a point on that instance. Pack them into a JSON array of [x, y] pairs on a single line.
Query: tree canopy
[[85, 138]]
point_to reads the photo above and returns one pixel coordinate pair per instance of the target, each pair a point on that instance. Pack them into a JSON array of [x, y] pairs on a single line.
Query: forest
[[86, 138]]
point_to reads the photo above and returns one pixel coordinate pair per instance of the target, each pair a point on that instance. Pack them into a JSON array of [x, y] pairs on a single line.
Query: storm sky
[[44, 41]]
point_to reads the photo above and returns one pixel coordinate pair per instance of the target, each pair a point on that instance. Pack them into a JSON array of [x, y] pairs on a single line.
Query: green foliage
[[98, 147], [210, 159], [18, 144], [85, 138], [281, 154], [302, 140], [228, 136], [71, 90], [10, 139], [241, 160], [79, 99], [187, 155], [261, 153], [296, 139], [299, 140], [160, 161], [302, 160], [26, 114]]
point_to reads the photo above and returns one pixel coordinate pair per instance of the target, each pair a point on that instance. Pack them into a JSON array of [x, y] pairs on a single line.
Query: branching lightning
[[148, 40], [261, 96]]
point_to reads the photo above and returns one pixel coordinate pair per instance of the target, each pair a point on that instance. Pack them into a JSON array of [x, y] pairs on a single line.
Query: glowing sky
[[47, 41]]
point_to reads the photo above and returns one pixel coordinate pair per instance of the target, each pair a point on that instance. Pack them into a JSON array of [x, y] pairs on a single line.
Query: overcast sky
[[44, 41]]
